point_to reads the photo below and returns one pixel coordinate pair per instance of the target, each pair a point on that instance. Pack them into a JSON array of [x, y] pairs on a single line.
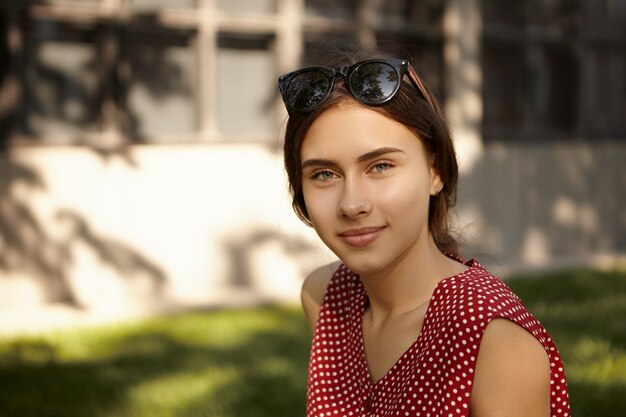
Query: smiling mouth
[[362, 237]]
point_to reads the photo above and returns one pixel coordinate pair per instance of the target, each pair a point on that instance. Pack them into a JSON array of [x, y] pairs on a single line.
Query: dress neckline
[[471, 264]]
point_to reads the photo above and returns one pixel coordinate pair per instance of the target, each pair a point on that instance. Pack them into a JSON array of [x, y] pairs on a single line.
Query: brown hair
[[412, 110]]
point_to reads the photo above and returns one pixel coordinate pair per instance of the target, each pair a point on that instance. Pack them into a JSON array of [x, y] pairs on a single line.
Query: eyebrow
[[377, 152], [363, 158], [317, 162]]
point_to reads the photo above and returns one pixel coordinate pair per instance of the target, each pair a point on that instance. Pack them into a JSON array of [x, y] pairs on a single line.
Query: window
[[172, 71], [61, 81], [159, 71], [335, 9], [246, 85], [403, 28], [155, 5], [554, 68], [426, 53], [425, 13], [247, 6]]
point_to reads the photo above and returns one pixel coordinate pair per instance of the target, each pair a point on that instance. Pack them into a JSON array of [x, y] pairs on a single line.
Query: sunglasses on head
[[372, 82]]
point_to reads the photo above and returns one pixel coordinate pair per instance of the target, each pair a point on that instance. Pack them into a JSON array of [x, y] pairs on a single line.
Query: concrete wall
[[87, 236], [545, 204]]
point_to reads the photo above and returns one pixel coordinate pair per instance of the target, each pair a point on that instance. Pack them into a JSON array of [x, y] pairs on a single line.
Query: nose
[[355, 201]]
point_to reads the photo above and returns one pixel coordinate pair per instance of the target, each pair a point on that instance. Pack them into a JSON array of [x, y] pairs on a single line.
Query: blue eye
[[323, 175], [380, 167]]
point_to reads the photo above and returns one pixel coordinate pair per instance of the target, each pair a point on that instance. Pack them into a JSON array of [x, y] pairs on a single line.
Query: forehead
[[347, 128]]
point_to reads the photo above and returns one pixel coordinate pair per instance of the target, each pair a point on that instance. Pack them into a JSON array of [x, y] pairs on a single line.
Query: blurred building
[[141, 164]]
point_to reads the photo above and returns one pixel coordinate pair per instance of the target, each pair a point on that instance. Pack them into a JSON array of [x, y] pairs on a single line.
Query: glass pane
[[605, 102], [425, 13], [503, 12], [503, 100], [247, 6], [339, 9], [161, 94], [246, 84], [561, 15], [8, 106], [61, 83], [606, 18], [150, 5], [562, 71]]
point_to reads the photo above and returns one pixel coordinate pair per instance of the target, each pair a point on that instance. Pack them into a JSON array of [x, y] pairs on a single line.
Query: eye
[[381, 166], [323, 175]]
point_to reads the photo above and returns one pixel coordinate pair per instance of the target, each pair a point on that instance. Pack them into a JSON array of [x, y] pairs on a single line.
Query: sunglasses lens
[[374, 83], [306, 90]]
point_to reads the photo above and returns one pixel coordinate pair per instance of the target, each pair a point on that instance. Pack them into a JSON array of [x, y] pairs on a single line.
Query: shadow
[[61, 90], [240, 249], [254, 371], [29, 249], [548, 189], [253, 362], [578, 303], [74, 79], [7, 103], [582, 311], [146, 62], [592, 400], [127, 261], [541, 204], [39, 83]]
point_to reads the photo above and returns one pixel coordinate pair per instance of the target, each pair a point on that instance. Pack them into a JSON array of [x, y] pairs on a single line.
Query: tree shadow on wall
[[26, 247], [32, 87], [77, 78], [542, 201], [29, 249], [240, 251]]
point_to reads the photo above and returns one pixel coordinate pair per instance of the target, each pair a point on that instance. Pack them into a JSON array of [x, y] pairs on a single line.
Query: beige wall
[[151, 229], [88, 237], [545, 204]]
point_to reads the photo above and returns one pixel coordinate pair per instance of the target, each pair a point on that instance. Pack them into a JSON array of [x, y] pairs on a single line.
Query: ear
[[436, 184]]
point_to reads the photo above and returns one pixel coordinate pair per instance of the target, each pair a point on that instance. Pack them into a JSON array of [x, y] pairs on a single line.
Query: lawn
[[252, 362]]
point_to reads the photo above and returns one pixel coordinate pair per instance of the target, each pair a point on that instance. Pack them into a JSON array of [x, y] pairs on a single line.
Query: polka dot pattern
[[434, 376]]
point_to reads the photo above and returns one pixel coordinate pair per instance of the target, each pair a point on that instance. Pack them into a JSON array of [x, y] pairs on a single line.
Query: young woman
[[402, 326]]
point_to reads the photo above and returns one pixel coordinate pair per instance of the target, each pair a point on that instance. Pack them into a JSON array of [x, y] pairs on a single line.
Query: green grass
[[253, 362], [222, 363], [585, 312]]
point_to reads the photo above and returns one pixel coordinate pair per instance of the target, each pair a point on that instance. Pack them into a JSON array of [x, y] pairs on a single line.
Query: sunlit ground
[[253, 362]]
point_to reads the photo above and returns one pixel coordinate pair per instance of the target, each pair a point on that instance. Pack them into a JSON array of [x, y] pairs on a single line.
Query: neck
[[408, 282]]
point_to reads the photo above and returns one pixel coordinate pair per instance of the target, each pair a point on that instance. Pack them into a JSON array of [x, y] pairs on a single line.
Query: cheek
[[404, 202], [411, 192], [319, 204], [411, 186]]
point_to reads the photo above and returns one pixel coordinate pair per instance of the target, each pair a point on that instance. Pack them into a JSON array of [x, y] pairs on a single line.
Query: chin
[[362, 265]]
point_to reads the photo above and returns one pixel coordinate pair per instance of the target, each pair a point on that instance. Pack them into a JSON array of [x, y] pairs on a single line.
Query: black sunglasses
[[372, 82]]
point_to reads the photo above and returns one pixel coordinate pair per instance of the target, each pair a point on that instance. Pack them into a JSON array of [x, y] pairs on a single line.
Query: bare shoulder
[[512, 373], [313, 290]]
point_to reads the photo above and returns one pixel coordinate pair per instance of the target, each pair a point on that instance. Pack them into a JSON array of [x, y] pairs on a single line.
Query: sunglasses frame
[[401, 66]]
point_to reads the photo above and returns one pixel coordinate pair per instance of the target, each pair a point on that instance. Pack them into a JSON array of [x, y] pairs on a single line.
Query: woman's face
[[367, 182]]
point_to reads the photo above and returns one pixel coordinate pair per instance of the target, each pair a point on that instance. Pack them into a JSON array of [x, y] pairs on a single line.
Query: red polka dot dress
[[434, 376]]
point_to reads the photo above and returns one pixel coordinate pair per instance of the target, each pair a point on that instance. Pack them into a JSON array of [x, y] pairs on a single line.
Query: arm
[[512, 374], [313, 290]]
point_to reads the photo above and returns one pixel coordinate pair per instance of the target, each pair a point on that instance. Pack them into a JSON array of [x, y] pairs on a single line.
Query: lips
[[361, 237]]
